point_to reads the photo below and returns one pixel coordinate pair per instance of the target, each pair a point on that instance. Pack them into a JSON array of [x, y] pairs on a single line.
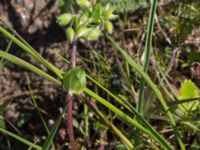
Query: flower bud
[[83, 3], [70, 34], [109, 27]]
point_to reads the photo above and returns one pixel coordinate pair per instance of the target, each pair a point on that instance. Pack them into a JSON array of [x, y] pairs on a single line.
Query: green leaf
[[97, 12], [74, 81], [84, 17], [82, 31], [108, 13], [89, 33], [92, 34], [188, 90], [64, 19], [83, 3]]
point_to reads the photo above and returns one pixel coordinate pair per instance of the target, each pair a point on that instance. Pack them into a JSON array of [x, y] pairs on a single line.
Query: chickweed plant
[[88, 19]]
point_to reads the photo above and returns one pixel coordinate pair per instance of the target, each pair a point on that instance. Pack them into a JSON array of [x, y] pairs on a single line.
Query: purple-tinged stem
[[70, 122], [70, 103]]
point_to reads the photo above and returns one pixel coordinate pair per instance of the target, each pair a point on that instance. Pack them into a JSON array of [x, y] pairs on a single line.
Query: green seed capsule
[[74, 81], [109, 26], [70, 34]]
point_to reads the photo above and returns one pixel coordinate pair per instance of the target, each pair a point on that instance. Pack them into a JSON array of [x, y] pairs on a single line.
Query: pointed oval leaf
[[74, 81], [64, 19], [189, 90]]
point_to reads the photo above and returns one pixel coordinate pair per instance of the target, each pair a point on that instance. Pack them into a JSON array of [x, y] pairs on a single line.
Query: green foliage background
[[122, 6]]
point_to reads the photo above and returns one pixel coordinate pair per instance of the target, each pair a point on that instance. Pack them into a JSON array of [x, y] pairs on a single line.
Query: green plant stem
[[70, 102], [70, 122]]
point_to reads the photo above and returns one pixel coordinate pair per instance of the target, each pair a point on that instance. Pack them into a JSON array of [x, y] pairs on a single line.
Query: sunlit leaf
[[74, 81], [188, 90], [64, 19], [83, 3]]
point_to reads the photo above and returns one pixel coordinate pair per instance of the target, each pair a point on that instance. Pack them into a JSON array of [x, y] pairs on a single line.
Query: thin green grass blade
[[54, 130], [38, 110], [20, 139], [24, 64], [2, 122], [166, 81], [32, 52], [40, 114], [182, 101], [145, 129], [191, 125], [123, 138], [7, 49], [173, 104], [147, 51], [139, 69], [132, 110], [124, 104]]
